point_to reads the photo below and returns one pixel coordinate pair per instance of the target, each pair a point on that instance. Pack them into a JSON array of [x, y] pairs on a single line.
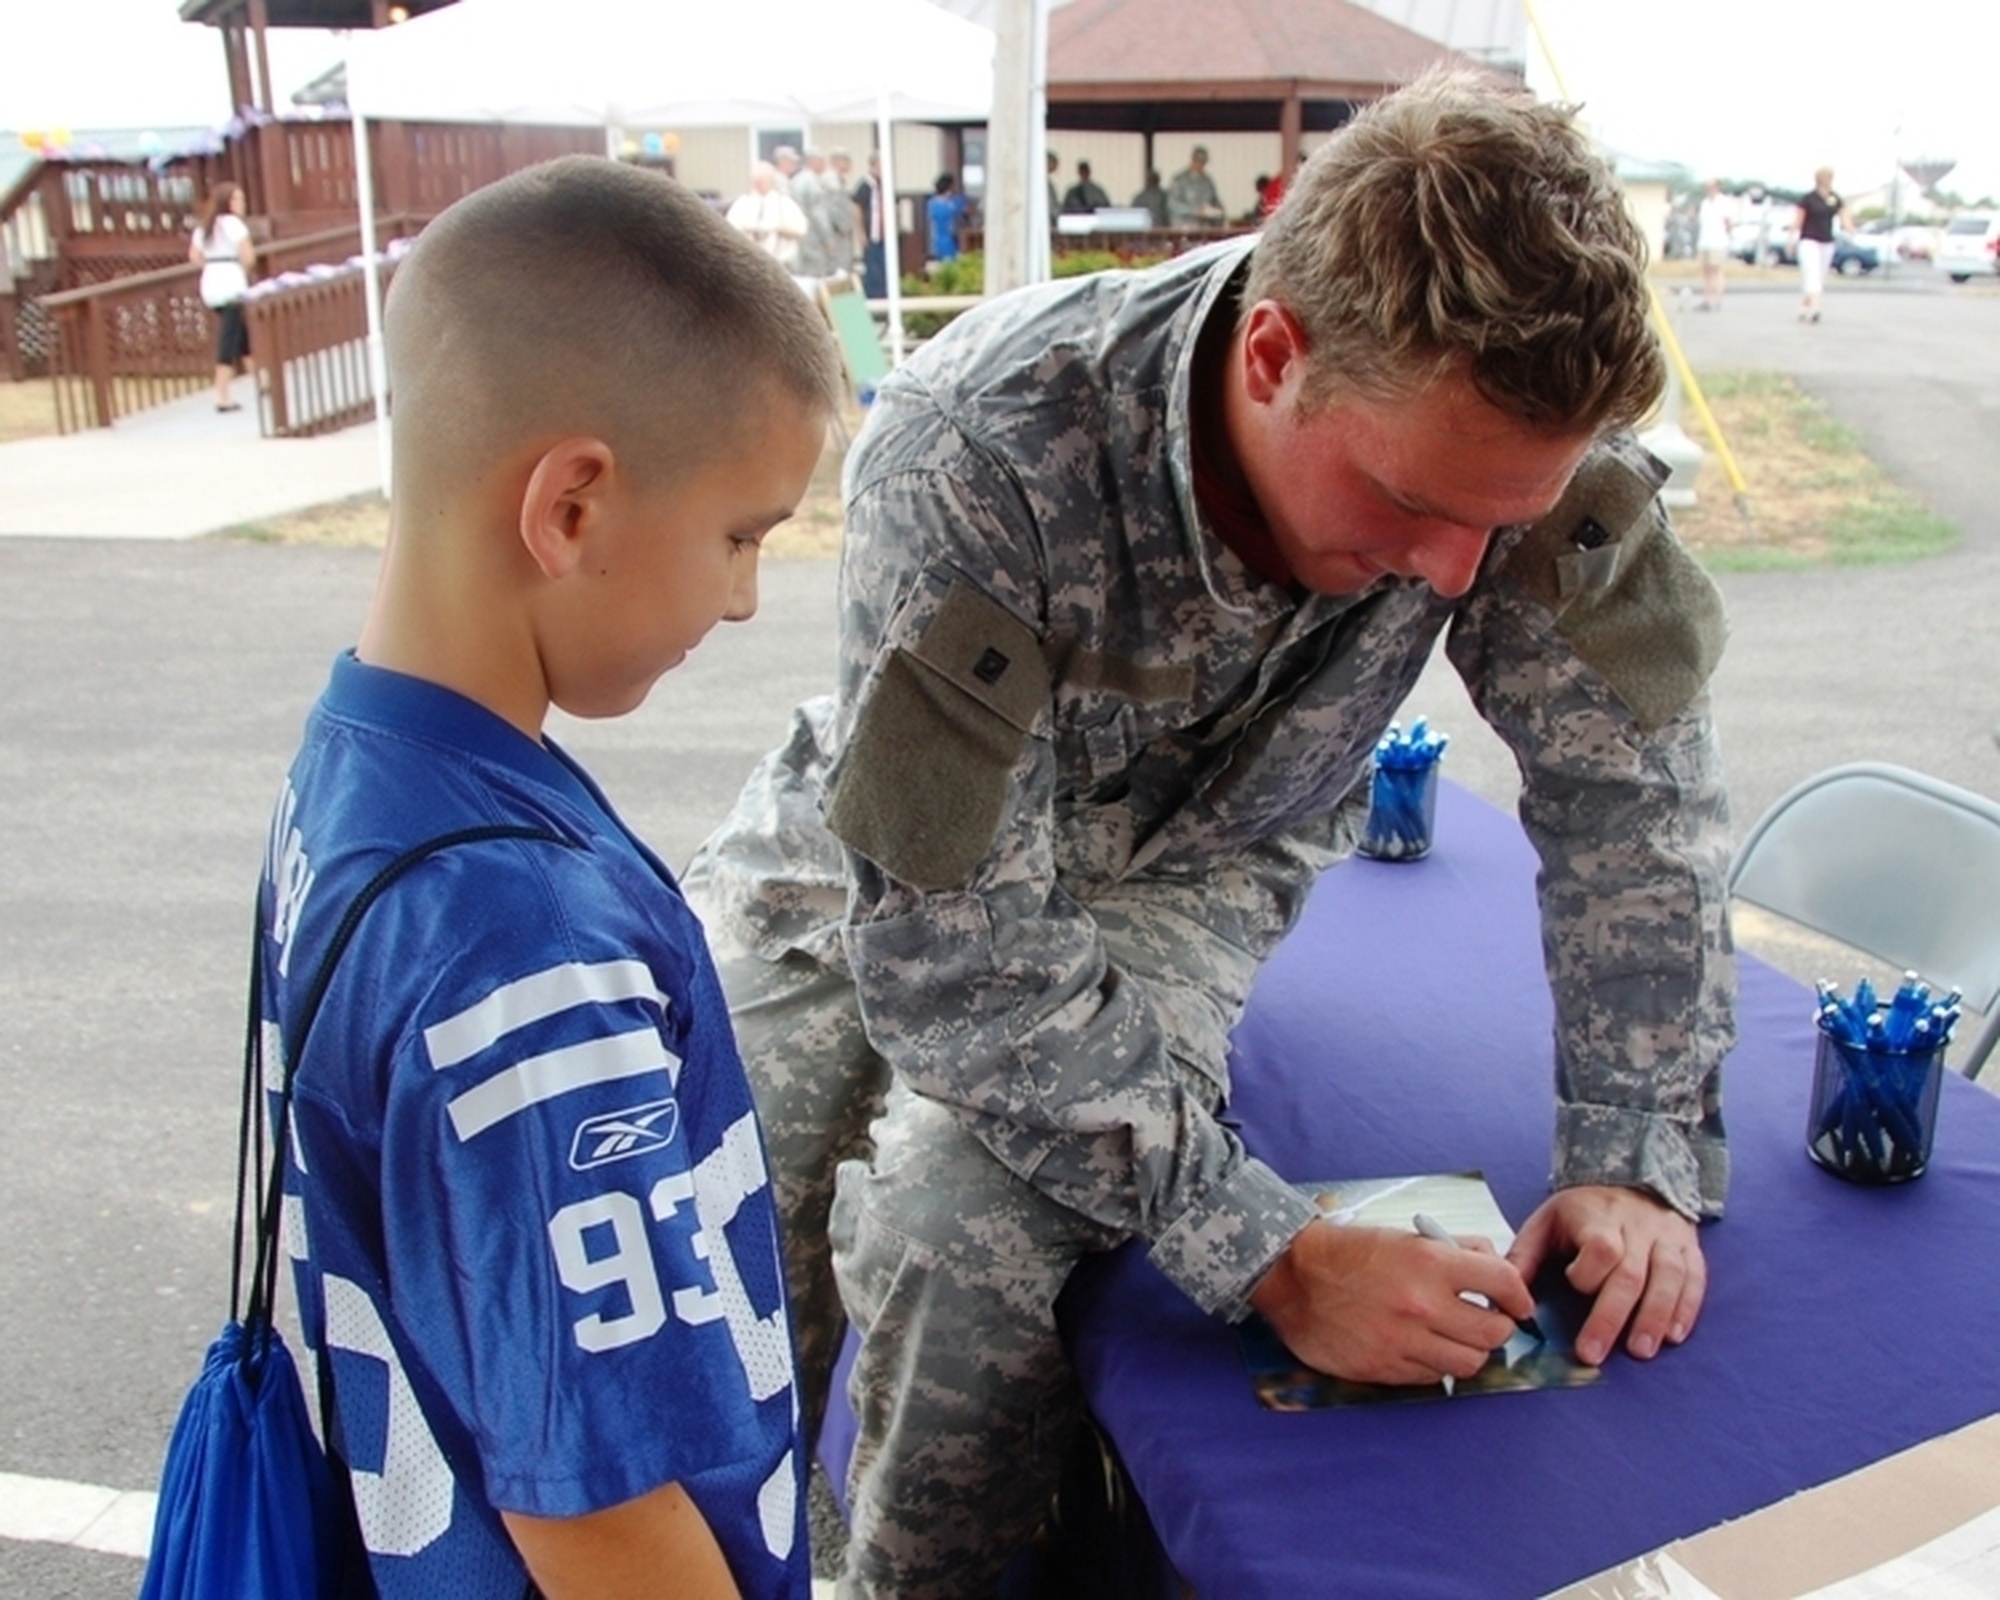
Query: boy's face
[[672, 561]]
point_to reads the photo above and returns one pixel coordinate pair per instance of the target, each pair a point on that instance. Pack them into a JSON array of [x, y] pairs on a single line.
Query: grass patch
[[360, 520], [1815, 497]]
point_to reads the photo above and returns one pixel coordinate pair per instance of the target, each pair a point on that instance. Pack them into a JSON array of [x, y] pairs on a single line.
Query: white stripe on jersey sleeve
[[543, 1077], [530, 999]]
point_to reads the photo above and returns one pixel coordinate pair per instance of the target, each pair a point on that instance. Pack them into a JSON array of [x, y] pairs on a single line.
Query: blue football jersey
[[535, 1242]]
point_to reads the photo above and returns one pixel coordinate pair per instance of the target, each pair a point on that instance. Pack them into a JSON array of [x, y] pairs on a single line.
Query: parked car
[[1915, 241], [1970, 246], [1773, 241], [1852, 253]]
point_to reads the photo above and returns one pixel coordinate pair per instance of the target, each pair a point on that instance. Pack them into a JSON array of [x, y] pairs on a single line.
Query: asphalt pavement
[[154, 689]]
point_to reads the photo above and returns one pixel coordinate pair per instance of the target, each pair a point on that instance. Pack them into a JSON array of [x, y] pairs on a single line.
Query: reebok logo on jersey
[[618, 1134]]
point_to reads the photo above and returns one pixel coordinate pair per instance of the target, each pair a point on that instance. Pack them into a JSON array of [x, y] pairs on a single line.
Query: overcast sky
[[1764, 89], [1771, 89]]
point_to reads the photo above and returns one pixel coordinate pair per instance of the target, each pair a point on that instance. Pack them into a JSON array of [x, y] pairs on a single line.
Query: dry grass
[[1813, 495], [27, 409]]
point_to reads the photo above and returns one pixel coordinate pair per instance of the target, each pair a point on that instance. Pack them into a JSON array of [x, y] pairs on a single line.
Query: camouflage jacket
[[1192, 197], [1087, 767]]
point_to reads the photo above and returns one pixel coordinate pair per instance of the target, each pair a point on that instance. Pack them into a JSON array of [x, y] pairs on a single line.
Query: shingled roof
[[1231, 49]]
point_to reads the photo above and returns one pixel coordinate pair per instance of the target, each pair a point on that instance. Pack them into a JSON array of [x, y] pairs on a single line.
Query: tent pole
[[892, 228], [1040, 223], [1012, 167], [371, 273]]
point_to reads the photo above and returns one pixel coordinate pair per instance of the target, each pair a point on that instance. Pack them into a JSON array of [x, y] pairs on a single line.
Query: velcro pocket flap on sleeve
[[1579, 547], [923, 782], [1633, 605], [1656, 634]]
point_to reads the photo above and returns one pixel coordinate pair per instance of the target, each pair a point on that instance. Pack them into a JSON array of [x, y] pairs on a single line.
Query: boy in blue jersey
[[537, 1251]]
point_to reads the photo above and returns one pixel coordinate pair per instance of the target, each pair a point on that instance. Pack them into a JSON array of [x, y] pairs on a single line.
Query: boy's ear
[[562, 502]]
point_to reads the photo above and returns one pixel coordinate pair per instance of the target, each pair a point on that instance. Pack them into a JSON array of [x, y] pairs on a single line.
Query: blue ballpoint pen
[[1431, 1228]]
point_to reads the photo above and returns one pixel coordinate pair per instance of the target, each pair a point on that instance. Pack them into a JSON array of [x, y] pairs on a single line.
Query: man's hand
[[1639, 1257], [1378, 1306]]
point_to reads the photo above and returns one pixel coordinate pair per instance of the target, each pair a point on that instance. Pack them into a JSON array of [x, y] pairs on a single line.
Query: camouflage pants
[[949, 1267], [818, 1086]]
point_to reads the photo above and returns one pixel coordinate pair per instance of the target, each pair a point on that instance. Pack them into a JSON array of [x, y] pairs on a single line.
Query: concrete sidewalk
[[176, 472]]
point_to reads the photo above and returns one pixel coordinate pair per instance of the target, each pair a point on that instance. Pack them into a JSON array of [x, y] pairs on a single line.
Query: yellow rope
[[1698, 400], [1673, 345]]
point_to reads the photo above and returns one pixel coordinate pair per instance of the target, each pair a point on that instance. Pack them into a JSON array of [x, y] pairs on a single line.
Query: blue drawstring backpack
[[251, 1508]]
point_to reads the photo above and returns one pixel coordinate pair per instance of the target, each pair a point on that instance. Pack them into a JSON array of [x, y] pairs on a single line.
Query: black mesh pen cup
[[1874, 1108]]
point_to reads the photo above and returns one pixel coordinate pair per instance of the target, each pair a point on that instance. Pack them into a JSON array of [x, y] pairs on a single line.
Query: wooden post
[[10, 338], [97, 363], [1291, 124], [260, 19], [392, 165], [238, 63]]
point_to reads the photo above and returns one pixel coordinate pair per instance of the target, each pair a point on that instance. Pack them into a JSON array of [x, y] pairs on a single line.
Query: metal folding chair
[[1903, 866]]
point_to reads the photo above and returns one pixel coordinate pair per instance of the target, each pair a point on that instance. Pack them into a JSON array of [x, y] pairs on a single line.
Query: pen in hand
[[1431, 1228]]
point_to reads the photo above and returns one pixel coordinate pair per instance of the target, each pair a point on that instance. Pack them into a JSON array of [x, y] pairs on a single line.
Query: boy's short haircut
[[587, 296], [1458, 226]]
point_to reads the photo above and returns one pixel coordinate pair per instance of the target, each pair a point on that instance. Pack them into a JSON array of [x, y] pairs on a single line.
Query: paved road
[[154, 690]]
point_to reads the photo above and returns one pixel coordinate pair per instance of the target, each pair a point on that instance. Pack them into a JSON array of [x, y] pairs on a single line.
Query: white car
[[1970, 245], [1771, 240]]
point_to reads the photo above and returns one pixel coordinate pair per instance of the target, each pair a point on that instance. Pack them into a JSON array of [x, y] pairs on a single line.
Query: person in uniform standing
[[1192, 199], [1086, 194]]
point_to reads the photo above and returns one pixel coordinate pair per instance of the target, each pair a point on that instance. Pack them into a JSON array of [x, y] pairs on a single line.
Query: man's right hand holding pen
[[1381, 1305]]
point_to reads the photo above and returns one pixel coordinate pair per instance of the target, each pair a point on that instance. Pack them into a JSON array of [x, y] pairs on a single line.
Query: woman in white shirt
[[222, 249]]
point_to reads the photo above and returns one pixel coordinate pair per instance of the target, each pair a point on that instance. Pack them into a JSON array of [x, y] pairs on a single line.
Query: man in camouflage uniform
[[827, 250], [1192, 200], [1138, 568]]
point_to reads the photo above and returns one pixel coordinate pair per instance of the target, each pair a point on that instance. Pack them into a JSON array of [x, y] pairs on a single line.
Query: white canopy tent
[[630, 63], [664, 63]]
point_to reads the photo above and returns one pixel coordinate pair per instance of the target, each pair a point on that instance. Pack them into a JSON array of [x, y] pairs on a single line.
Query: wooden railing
[[145, 339], [72, 223], [122, 347], [311, 341], [306, 169]]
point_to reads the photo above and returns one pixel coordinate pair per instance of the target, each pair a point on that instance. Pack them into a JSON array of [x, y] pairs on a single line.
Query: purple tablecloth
[[1405, 1027]]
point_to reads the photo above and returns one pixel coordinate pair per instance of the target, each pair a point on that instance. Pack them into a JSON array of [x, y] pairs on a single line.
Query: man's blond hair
[[584, 296], [1460, 227]]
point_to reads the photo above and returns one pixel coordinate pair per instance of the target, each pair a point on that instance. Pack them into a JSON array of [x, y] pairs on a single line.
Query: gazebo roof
[[1219, 64], [308, 13], [1195, 44]]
